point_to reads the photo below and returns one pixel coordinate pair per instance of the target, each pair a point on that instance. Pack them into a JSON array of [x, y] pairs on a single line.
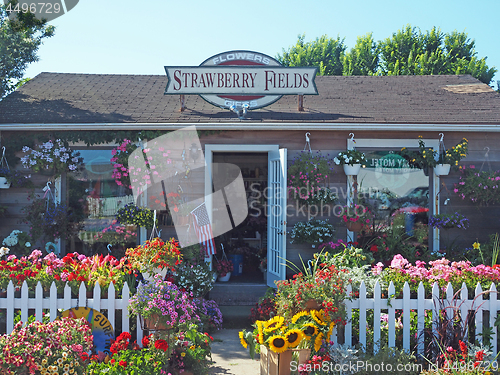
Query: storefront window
[[398, 197], [95, 197]]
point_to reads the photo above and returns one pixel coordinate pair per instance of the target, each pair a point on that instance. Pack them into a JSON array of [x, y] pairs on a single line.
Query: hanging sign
[[239, 78]]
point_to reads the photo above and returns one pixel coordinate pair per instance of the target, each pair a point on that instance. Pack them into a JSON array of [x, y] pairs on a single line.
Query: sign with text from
[[239, 78]]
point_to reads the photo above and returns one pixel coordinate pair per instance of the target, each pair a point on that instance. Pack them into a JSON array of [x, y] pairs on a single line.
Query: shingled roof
[[61, 98]]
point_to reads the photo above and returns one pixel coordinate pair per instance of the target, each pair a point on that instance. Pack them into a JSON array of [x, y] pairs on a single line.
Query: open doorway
[[246, 244]]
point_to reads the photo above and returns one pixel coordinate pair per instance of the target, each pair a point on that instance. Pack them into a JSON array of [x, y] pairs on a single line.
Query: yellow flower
[[242, 340], [183, 354], [260, 330], [278, 343], [309, 330], [298, 316], [330, 330], [476, 245], [192, 347], [319, 317], [273, 323], [293, 337], [318, 341]]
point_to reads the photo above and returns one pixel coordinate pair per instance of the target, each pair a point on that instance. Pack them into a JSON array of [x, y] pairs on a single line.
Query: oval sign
[[241, 58], [101, 327]]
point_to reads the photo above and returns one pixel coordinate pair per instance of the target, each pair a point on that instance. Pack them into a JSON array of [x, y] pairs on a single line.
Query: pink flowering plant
[[116, 234], [173, 307], [478, 187], [51, 348], [355, 213], [441, 271], [120, 162], [307, 174]]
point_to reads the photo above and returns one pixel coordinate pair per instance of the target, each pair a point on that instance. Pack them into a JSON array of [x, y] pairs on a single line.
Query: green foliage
[[19, 43], [408, 51], [324, 52]]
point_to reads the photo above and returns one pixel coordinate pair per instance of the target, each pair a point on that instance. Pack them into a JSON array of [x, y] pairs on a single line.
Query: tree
[[407, 52], [20, 39], [324, 52]]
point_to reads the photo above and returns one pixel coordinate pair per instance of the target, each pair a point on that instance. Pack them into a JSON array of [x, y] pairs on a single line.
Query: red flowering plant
[[129, 358], [264, 309], [321, 283], [153, 255], [354, 213], [223, 267], [46, 348]]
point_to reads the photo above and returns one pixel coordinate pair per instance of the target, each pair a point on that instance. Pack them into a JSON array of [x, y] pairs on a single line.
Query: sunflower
[[261, 333], [319, 317], [309, 330], [273, 323], [330, 330], [318, 341], [242, 340], [278, 343], [298, 316], [293, 337]]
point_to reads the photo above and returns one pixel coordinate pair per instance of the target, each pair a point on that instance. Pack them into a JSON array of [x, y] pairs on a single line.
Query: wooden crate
[[272, 363]]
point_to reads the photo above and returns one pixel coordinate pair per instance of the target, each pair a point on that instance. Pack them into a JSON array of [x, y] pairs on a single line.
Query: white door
[[276, 217]]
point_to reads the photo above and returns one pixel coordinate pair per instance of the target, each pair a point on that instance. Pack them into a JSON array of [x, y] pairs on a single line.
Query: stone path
[[230, 357]]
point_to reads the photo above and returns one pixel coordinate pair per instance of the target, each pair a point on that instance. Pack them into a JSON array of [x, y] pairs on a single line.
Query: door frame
[[434, 181], [209, 153]]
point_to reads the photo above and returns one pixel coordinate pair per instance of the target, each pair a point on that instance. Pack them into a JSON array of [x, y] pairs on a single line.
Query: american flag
[[203, 228]]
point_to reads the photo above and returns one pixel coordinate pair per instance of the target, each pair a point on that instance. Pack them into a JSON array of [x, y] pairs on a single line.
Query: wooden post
[[182, 99], [300, 103]]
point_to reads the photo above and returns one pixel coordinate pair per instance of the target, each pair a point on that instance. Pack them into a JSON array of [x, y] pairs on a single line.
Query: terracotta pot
[[152, 323], [312, 304], [354, 226]]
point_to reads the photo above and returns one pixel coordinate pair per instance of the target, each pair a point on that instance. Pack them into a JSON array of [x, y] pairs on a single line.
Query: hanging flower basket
[[3, 183], [442, 169], [352, 170], [225, 278]]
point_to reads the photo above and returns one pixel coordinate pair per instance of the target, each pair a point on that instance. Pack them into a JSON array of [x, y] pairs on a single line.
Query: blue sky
[[140, 37]]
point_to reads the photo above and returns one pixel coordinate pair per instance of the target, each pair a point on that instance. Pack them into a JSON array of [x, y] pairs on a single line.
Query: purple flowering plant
[[52, 156], [444, 221], [480, 187], [164, 299]]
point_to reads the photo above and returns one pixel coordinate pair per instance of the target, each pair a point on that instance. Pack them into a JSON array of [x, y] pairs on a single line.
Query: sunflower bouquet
[[306, 330]]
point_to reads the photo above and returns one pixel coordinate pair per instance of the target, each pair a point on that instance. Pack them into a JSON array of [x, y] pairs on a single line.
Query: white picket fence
[[448, 301], [52, 303], [420, 305]]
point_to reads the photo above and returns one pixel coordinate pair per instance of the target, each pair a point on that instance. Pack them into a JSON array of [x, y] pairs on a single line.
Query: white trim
[[242, 125], [433, 179]]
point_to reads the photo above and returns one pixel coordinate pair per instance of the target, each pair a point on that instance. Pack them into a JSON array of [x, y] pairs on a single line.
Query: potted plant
[[53, 157], [306, 173], [141, 217], [15, 179], [223, 268], [479, 187], [314, 232], [154, 256], [446, 221], [355, 216], [18, 242], [161, 305], [120, 162], [351, 160]]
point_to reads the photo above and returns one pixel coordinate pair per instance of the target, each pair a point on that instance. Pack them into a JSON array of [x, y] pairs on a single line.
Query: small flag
[[203, 228]]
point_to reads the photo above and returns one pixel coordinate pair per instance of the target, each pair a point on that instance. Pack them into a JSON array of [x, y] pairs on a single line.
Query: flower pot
[[3, 183], [150, 277], [352, 170], [152, 323], [354, 226], [312, 304], [442, 169], [272, 363], [225, 278], [215, 277]]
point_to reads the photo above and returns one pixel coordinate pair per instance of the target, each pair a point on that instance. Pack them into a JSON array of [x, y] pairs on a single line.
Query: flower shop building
[[376, 115]]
